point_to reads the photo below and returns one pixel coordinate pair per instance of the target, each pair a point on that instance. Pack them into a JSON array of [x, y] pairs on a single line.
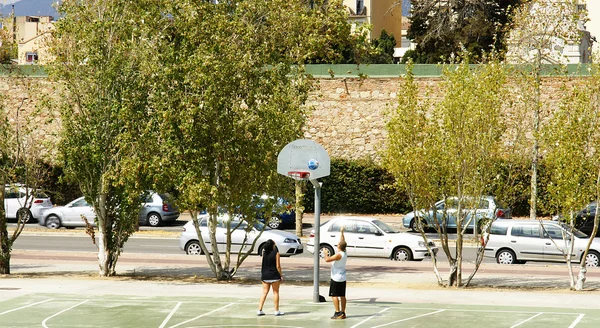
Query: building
[[380, 14], [31, 34]]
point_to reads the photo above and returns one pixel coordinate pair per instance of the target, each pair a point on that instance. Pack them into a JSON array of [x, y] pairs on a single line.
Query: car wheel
[[53, 222], [323, 248], [592, 259], [193, 248], [506, 256], [417, 226], [24, 215], [274, 222], [402, 254], [154, 219]]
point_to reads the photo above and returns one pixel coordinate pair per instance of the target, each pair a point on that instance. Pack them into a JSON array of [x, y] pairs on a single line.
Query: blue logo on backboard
[[313, 164]]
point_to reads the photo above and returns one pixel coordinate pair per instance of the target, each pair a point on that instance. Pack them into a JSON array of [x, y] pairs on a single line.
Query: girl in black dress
[[271, 276]]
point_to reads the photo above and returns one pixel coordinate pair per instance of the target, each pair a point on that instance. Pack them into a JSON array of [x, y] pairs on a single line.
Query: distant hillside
[[30, 8]]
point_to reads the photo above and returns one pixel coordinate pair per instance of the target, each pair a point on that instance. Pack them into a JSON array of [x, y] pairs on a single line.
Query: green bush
[[358, 186]]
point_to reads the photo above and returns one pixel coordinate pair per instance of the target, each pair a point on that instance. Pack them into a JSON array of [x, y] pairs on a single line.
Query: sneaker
[[342, 315], [336, 315], [278, 313], [260, 312]]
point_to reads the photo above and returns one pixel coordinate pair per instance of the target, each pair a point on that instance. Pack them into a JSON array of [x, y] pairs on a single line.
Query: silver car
[[487, 207], [518, 241], [370, 237], [287, 243], [156, 209]]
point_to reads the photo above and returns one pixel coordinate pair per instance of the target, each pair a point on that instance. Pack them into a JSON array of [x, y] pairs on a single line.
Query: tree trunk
[[103, 253], [5, 247], [299, 208], [536, 128]]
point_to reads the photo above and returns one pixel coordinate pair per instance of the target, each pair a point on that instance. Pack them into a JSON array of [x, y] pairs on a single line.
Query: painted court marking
[[170, 315], [381, 309], [577, 321], [406, 319], [24, 307], [203, 315], [65, 310], [371, 317], [524, 321]]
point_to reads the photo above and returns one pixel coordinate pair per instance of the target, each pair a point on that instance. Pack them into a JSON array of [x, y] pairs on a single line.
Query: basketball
[[313, 164]]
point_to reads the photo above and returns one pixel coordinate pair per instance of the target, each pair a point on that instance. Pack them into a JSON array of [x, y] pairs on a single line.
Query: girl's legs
[[276, 294], [265, 292]]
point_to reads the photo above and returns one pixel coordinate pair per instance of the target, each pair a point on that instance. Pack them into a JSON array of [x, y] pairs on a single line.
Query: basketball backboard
[[303, 159]]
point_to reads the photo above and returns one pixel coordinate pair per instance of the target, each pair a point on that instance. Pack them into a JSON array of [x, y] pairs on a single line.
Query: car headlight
[[289, 241], [421, 243]]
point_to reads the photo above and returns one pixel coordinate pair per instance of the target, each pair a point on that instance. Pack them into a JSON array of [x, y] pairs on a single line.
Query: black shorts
[[337, 288]]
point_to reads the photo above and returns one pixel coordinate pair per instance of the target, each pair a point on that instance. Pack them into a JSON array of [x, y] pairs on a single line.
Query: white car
[[370, 237], [287, 243], [15, 200], [518, 241]]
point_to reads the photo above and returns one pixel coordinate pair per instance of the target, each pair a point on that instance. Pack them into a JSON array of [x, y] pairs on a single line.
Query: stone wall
[[348, 119]]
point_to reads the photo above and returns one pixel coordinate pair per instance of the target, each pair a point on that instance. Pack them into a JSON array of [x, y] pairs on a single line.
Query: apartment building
[[31, 35]]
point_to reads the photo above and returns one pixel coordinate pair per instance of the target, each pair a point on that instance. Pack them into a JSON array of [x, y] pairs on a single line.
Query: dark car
[[282, 215], [584, 220]]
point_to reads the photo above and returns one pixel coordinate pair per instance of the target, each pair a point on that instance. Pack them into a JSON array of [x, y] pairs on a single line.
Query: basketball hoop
[[298, 175]]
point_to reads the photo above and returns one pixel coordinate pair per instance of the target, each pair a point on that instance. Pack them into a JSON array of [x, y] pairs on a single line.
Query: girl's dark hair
[[269, 246]]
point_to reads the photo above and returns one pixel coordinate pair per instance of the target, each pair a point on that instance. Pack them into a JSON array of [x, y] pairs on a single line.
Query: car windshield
[[383, 226], [576, 232]]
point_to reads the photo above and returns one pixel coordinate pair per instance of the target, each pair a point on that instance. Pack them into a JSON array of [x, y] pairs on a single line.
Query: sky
[[28, 7]]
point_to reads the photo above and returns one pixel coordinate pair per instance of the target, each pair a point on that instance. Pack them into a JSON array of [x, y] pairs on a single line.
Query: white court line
[[577, 321], [524, 321], [24, 307], [202, 315], [369, 318], [164, 323], [65, 310], [490, 311], [406, 319]]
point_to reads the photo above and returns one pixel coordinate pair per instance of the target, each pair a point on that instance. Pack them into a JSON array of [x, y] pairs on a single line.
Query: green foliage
[[448, 148], [442, 30], [382, 50], [358, 186], [101, 54], [571, 138]]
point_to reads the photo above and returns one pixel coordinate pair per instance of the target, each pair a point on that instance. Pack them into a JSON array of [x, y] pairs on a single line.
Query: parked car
[[488, 207], [584, 220], [282, 215], [15, 202], [518, 241], [287, 243], [156, 209], [370, 237]]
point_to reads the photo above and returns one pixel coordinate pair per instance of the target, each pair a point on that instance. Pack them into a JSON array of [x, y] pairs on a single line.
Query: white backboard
[[304, 155]]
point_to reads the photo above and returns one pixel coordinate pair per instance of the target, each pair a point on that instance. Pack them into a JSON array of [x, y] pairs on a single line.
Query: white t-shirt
[[338, 269]]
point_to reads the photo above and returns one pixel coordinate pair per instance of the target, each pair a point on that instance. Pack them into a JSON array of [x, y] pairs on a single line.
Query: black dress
[[269, 266]]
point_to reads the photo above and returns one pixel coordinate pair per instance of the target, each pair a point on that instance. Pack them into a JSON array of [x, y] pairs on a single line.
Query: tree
[[382, 49], [226, 100], [101, 48], [443, 28], [571, 138], [20, 161], [446, 149], [541, 28]]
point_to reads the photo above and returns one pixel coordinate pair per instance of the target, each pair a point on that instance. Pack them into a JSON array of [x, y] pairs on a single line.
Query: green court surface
[[45, 310]]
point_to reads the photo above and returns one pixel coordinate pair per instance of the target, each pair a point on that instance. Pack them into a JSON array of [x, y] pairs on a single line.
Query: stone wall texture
[[348, 116]]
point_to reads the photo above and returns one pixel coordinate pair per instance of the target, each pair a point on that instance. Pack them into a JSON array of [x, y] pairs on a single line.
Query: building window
[[360, 6], [31, 57]]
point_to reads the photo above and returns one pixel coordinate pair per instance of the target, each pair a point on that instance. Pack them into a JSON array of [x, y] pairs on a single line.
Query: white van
[[518, 241]]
